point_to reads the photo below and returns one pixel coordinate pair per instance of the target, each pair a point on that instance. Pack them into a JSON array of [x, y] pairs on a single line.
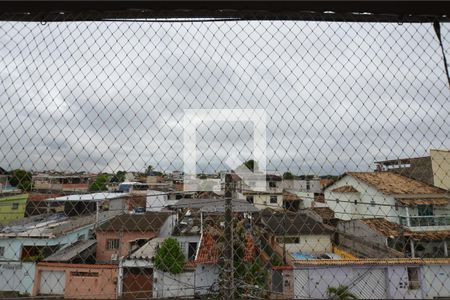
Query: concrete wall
[[8, 212], [101, 284], [440, 161], [186, 284], [361, 230], [263, 201], [436, 281], [156, 200], [372, 282], [17, 276], [311, 244], [125, 237], [362, 282]]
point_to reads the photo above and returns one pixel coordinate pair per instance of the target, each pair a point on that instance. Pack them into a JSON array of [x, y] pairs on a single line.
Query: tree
[[288, 176], [341, 292], [100, 183], [149, 170], [20, 179], [119, 176], [251, 164], [169, 257]]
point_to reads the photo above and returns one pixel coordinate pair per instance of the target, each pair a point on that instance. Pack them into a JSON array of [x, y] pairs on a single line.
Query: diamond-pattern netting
[[224, 158]]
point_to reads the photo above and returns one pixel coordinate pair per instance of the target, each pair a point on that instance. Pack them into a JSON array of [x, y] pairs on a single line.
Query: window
[[2, 251], [308, 185], [372, 202], [272, 184], [15, 206], [250, 199], [273, 199], [112, 244], [413, 278], [192, 250]]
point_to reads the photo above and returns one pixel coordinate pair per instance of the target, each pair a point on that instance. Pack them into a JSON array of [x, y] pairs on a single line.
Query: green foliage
[[288, 176], [149, 169], [341, 293], [251, 165], [170, 257], [119, 176], [20, 179], [100, 183], [250, 274]]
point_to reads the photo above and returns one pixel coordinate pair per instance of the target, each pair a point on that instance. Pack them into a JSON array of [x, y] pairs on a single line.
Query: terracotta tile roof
[[391, 183], [325, 213], [326, 182], [150, 221], [392, 229], [419, 201], [386, 227], [345, 189], [209, 251], [373, 261], [431, 235]]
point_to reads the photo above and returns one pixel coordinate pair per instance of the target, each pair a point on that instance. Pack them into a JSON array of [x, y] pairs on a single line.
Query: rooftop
[[72, 251], [212, 205], [386, 227], [148, 250], [150, 221], [95, 197], [345, 189], [45, 226], [395, 184], [290, 223]]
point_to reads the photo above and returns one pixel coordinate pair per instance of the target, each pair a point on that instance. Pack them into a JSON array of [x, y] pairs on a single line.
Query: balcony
[[421, 221]]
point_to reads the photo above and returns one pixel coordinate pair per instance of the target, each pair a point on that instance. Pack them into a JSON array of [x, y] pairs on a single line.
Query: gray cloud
[[107, 96]]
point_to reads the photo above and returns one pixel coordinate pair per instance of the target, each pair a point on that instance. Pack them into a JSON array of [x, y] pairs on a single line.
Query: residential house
[[95, 203], [125, 233], [58, 182], [36, 204], [270, 195], [296, 234], [433, 169], [398, 199], [76, 281], [26, 241], [12, 207], [389, 278], [377, 237], [304, 193]]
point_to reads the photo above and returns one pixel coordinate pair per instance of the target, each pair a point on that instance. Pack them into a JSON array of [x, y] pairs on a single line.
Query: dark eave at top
[[355, 11]]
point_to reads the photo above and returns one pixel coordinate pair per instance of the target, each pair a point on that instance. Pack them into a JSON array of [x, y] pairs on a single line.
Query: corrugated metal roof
[[89, 197], [148, 251], [72, 251]]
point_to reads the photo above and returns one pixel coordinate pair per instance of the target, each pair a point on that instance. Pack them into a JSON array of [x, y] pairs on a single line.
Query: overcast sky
[[110, 96]]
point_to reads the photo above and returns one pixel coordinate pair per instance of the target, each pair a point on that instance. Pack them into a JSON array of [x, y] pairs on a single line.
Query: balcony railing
[[417, 221]]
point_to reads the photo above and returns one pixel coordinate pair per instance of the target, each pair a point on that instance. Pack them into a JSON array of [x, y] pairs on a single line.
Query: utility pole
[[228, 291]]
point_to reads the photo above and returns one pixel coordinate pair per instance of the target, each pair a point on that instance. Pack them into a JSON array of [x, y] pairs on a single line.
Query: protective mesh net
[[224, 158]]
